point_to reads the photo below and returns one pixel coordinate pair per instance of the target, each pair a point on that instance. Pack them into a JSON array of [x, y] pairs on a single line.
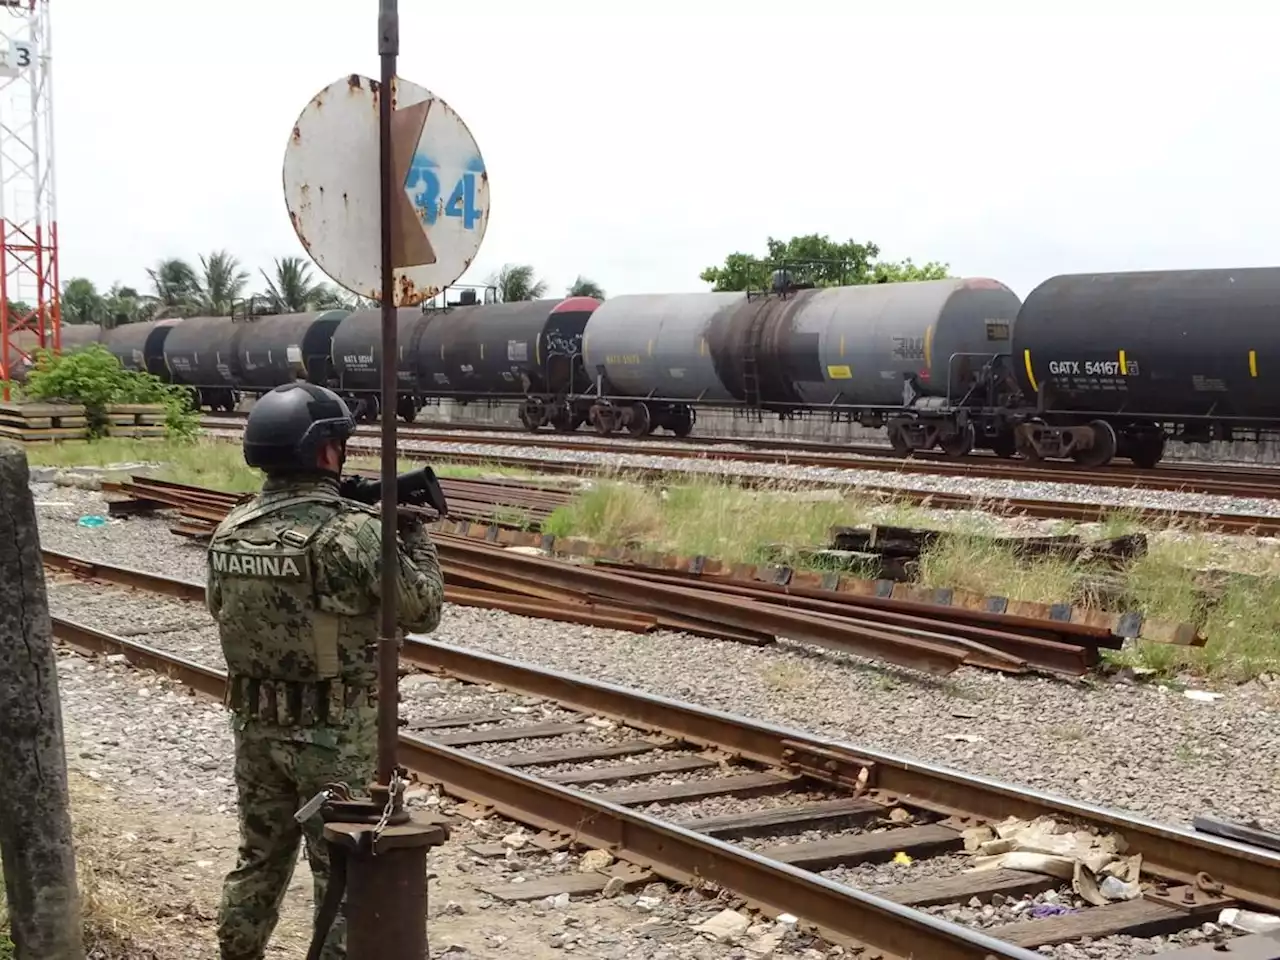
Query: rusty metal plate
[[332, 189]]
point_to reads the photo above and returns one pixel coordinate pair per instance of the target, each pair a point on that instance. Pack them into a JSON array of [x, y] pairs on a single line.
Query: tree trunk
[[35, 822]]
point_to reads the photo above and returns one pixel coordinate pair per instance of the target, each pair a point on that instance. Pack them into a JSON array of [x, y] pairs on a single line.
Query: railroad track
[[1227, 481], [805, 826], [1215, 521], [933, 637]]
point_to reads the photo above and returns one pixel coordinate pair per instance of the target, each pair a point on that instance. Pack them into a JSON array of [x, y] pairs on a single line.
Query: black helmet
[[287, 427]]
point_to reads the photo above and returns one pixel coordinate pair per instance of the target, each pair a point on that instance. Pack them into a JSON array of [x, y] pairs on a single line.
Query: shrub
[[93, 377]]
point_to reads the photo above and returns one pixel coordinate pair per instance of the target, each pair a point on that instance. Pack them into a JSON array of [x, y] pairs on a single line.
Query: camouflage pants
[[274, 777]]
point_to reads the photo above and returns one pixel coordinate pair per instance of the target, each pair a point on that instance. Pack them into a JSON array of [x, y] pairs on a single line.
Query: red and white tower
[[29, 292]]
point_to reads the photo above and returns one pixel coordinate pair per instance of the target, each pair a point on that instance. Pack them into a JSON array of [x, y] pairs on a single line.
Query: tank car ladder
[[751, 368]]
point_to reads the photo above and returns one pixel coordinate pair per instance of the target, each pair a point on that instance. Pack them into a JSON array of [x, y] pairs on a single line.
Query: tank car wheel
[[898, 441], [566, 422], [1004, 445], [641, 423], [960, 445], [1103, 449], [532, 419], [1147, 451], [681, 423], [603, 421], [1026, 449]]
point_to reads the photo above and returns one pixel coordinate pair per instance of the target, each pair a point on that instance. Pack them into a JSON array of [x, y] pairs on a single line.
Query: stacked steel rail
[[880, 806], [934, 639]]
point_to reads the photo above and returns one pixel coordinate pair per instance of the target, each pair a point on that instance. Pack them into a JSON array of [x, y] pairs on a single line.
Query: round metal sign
[[331, 187]]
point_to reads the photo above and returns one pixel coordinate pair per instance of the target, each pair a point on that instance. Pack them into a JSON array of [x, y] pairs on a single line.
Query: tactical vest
[[288, 661]]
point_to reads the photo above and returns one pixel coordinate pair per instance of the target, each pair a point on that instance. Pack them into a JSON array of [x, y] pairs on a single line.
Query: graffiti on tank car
[[429, 201], [560, 345], [908, 348], [623, 359]]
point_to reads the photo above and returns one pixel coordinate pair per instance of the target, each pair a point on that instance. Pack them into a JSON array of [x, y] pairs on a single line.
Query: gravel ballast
[[1127, 746], [617, 459], [1143, 748]]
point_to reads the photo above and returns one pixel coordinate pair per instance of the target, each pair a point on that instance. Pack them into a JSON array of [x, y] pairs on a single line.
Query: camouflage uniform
[[294, 585]]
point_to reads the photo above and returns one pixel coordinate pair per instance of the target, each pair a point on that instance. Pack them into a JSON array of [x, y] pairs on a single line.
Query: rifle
[[417, 488]]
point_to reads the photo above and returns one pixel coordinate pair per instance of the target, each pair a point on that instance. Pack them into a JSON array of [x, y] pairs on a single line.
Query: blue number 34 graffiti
[[425, 172]]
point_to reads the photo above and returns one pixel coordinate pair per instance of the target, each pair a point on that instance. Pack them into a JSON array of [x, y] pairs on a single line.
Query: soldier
[[294, 583]]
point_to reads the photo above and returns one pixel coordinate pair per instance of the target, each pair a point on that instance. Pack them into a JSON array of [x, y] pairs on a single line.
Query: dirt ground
[[151, 879]]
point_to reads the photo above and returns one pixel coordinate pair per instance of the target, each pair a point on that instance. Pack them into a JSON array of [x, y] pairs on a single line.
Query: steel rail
[[1173, 476], [841, 914], [1247, 873], [1210, 520]]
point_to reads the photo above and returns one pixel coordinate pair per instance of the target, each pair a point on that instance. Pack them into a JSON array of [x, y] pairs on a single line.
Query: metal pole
[[388, 643]]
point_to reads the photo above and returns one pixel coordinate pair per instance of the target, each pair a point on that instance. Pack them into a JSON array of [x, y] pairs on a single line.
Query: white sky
[[638, 149]]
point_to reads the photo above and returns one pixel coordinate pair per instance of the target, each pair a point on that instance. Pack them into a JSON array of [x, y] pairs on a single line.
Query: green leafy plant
[[93, 377]]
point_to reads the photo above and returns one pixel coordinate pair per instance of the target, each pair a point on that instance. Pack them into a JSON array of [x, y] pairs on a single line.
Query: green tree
[[292, 289], [126, 305], [223, 282], [907, 272], [516, 281], [81, 302], [585, 287], [175, 289], [818, 259], [93, 377]]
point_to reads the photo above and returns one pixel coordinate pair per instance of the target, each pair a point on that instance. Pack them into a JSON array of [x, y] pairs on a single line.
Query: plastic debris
[[1094, 864], [92, 521]]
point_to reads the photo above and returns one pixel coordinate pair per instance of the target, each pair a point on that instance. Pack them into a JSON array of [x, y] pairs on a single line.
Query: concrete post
[[35, 820]]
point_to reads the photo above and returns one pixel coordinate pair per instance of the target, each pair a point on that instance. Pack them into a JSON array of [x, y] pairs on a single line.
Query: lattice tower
[[29, 292]]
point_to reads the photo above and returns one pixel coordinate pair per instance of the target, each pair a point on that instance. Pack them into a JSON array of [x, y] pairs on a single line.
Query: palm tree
[[81, 302], [223, 282], [584, 287], [175, 286], [292, 289], [125, 305], [516, 282]]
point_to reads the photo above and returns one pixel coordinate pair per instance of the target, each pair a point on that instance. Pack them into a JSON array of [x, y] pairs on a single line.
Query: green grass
[[710, 517]]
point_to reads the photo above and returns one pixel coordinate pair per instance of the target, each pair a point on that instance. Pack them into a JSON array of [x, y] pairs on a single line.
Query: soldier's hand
[[409, 524]]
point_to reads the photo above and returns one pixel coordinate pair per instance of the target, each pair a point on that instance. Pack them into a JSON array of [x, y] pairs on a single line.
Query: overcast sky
[[638, 149]]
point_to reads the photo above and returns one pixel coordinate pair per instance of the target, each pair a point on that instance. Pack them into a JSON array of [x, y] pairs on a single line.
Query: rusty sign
[[331, 189]]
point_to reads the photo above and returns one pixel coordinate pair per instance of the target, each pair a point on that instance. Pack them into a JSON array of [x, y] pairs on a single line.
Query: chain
[[394, 789]]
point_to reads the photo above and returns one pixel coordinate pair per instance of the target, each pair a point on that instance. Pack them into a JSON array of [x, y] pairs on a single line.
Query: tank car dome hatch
[[1170, 343], [281, 348]]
